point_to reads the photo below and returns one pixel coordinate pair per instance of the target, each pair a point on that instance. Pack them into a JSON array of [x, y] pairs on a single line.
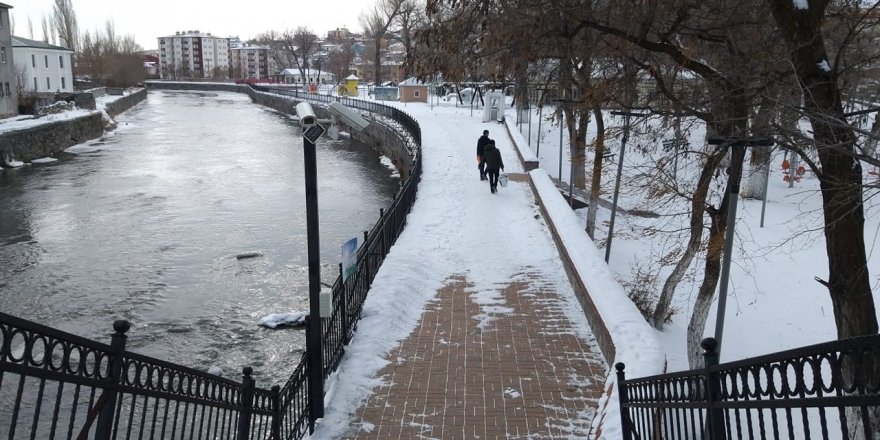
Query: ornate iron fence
[[827, 391], [58, 385]]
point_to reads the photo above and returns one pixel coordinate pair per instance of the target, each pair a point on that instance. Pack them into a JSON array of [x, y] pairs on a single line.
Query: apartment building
[[8, 90], [192, 55], [44, 68], [249, 62]]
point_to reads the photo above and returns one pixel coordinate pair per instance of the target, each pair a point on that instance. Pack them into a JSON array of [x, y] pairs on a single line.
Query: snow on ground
[[771, 290], [27, 121], [457, 227]]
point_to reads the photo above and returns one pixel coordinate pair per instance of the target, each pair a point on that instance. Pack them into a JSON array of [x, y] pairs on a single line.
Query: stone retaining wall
[[50, 137], [382, 138], [120, 105], [195, 85]]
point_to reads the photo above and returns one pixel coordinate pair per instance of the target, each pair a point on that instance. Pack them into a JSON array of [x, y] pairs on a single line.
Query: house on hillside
[[413, 90], [313, 76], [8, 89], [44, 68]]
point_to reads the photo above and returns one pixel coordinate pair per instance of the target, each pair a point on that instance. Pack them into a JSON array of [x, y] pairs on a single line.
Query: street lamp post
[[313, 342], [737, 155], [312, 131], [626, 116]]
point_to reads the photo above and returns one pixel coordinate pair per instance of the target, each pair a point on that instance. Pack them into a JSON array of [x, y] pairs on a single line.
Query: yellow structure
[[351, 86]]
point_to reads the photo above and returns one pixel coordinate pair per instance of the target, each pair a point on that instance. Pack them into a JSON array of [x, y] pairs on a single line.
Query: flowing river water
[[145, 224]]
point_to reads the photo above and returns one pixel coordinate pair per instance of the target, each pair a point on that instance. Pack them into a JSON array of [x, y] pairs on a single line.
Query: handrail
[[828, 390]]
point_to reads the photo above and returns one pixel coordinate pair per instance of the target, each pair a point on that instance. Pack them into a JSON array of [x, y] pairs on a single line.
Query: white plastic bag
[[502, 179]]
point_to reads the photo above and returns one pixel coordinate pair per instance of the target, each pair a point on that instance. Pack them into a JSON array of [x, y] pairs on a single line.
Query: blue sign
[[349, 258]]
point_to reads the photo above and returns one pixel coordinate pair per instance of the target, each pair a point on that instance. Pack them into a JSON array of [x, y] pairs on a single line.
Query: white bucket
[[502, 179]]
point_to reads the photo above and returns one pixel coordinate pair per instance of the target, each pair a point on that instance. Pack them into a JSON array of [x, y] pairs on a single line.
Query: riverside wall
[[51, 137], [383, 138]]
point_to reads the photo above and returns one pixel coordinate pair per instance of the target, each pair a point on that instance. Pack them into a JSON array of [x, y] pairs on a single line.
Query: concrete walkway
[[471, 328]]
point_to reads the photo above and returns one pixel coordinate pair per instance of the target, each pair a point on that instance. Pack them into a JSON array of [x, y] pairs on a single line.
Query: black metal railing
[[55, 384], [349, 295], [58, 385], [824, 391]]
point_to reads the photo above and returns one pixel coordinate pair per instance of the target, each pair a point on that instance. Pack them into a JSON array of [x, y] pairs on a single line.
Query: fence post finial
[[276, 414], [715, 415], [623, 399], [114, 368], [246, 404]]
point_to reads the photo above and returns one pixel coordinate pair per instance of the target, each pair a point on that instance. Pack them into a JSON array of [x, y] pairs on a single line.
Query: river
[[145, 224]]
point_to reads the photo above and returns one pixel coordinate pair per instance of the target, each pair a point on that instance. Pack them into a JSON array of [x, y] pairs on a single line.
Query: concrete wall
[[196, 85], [380, 137], [49, 138], [120, 105], [53, 136]]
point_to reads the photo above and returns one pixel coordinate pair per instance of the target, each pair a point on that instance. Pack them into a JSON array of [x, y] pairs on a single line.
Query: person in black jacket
[[492, 160], [481, 146]]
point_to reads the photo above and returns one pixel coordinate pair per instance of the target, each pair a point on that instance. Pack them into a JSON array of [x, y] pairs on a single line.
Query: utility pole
[[626, 115], [737, 155]]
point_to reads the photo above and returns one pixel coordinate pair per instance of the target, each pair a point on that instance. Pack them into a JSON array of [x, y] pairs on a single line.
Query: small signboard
[[385, 93], [313, 133], [349, 258]]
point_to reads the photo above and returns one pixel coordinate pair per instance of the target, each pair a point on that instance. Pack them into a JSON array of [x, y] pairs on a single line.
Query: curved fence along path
[[472, 329], [58, 385]]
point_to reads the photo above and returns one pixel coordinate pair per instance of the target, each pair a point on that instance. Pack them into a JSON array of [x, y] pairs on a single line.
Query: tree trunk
[[756, 179], [840, 179], [841, 176], [521, 92], [577, 123], [698, 207], [733, 117], [377, 59], [596, 182]]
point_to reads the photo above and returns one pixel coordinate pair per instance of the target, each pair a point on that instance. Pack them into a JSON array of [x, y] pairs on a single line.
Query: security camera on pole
[[312, 130]]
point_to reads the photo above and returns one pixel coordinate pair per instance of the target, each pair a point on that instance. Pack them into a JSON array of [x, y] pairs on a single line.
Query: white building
[[47, 68], [192, 54], [313, 76], [8, 92]]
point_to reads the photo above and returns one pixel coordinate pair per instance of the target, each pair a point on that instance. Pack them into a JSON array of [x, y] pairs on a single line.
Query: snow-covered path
[[462, 240]]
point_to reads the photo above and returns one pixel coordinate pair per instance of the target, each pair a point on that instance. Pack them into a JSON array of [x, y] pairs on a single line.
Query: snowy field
[[774, 303]]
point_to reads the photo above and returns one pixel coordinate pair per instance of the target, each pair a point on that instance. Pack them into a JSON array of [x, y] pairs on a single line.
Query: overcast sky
[[148, 20]]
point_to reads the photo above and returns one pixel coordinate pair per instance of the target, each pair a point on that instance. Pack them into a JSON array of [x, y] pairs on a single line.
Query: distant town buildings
[[43, 68], [313, 76], [8, 89], [192, 54], [249, 62]]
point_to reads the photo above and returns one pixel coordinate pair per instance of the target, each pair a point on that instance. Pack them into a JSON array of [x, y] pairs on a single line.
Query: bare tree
[[840, 174], [113, 60], [30, 28], [376, 23], [45, 23], [410, 19], [65, 23], [339, 62], [304, 43]]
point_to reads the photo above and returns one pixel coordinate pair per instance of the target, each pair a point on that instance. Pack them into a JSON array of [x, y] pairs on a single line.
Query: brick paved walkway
[[521, 373]]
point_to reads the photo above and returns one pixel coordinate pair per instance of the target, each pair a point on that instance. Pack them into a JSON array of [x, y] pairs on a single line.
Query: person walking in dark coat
[[493, 162], [481, 147]]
